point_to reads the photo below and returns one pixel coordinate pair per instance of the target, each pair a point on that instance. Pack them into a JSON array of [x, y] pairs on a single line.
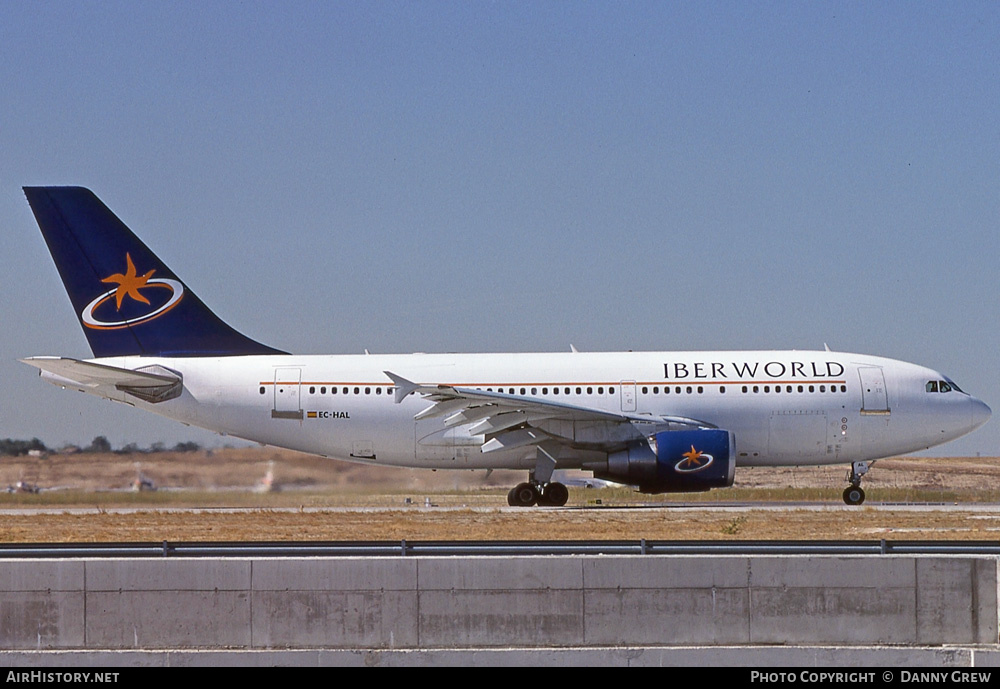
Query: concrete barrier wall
[[487, 602]]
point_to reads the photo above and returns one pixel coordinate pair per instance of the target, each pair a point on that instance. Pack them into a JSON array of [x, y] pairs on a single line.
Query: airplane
[[663, 422]]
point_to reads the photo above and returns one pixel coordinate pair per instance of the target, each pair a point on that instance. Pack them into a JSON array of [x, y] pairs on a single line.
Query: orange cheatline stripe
[[821, 381], [673, 383]]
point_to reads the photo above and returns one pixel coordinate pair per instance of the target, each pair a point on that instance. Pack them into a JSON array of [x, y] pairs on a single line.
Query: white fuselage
[[783, 407]]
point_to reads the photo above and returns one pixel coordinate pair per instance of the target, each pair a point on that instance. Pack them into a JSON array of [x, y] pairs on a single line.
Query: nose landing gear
[[854, 494]]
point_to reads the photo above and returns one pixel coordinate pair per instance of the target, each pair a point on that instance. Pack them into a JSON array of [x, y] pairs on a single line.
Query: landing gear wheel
[[523, 495], [854, 495], [555, 495]]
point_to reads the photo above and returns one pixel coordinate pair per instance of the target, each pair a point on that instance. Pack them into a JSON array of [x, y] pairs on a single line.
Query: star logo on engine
[[693, 458], [694, 461]]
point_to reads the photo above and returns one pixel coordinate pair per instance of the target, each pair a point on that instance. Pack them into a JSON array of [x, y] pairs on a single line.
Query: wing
[[150, 383], [556, 429]]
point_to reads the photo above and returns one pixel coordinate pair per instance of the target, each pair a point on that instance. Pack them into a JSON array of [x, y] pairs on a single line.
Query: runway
[[458, 505]]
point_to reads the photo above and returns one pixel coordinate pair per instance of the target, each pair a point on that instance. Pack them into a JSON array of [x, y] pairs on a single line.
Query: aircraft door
[[628, 395], [287, 384], [874, 399]]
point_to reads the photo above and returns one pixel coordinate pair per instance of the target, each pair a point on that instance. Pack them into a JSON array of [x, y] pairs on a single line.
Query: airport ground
[[270, 494]]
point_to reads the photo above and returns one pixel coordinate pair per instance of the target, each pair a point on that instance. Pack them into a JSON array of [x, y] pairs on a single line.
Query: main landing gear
[[532, 493], [854, 494]]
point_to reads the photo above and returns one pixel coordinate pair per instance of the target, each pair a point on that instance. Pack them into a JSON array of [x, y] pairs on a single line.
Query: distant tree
[[157, 447], [98, 444], [13, 448], [187, 447], [129, 449]]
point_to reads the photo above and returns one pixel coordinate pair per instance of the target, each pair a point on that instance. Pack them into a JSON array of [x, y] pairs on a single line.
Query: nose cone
[[980, 413]]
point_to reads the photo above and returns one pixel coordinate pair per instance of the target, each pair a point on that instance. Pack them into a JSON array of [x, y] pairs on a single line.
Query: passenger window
[[932, 386]]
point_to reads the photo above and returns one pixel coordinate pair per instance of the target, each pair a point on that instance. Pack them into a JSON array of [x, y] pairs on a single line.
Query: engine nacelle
[[676, 462]]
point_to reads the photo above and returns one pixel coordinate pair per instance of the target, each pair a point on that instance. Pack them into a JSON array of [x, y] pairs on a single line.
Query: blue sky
[[474, 176]]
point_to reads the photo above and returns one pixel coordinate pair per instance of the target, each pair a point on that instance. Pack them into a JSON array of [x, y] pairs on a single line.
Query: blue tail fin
[[128, 301]]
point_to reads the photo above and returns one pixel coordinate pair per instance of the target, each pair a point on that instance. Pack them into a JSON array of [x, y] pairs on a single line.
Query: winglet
[[403, 386]]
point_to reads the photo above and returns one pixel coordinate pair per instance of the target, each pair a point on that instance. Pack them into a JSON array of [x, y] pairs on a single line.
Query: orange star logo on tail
[[129, 284]]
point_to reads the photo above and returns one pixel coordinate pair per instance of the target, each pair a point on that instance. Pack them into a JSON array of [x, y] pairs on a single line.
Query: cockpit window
[[942, 386]]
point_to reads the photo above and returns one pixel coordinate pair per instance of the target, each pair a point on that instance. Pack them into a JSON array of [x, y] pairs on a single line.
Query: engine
[[675, 462]]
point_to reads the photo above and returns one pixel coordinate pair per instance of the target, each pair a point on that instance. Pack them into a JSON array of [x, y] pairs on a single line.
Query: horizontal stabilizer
[[149, 385]]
